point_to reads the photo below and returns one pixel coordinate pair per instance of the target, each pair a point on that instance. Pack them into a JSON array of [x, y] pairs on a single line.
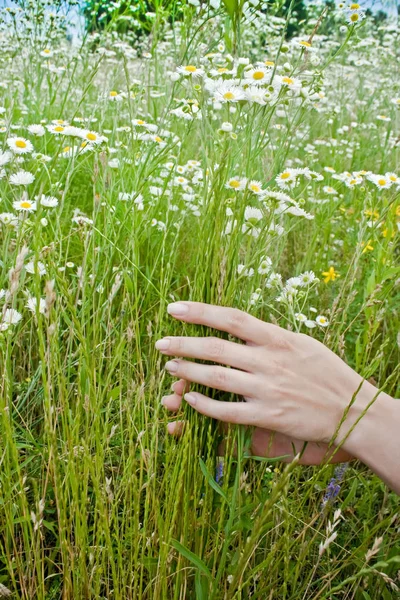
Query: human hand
[[291, 383], [264, 443]]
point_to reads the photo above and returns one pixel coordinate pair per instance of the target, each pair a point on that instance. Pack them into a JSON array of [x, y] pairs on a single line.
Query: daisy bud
[[287, 66], [284, 48], [44, 222]]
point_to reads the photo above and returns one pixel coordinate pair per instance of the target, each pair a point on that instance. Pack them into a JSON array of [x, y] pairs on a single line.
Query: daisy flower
[[5, 158], [10, 317], [8, 219], [393, 178], [37, 130], [252, 215], [49, 201], [236, 183], [37, 268], [354, 16], [20, 145], [32, 303], [259, 75], [381, 181], [115, 96], [265, 266], [226, 92], [92, 137], [300, 317], [57, 129], [190, 71], [329, 190], [22, 178], [24, 205], [322, 321], [286, 179], [255, 187]]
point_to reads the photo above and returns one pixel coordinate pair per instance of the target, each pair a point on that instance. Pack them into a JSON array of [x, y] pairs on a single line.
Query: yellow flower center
[[113, 93], [258, 75], [234, 184], [158, 139], [255, 188], [393, 177], [269, 63], [26, 204], [288, 80], [285, 175], [229, 96], [190, 69], [306, 44], [382, 181], [20, 144], [59, 128], [354, 6], [91, 137], [140, 122], [222, 70], [354, 17], [46, 51], [67, 149]]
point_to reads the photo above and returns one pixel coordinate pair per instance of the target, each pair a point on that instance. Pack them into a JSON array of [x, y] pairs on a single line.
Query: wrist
[[370, 433]]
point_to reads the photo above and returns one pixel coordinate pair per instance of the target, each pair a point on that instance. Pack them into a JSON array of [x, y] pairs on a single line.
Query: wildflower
[[8, 219], [219, 470], [5, 158], [190, 71], [20, 145], [115, 96], [10, 317], [36, 268], [255, 187], [236, 183], [286, 179], [330, 275], [300, 317], [259, 75], [367, 246], [381, 181], [48, 201], [393, 178], [226, 92], [333, 489], [322, 321], [37, 130], [92, 137], [252, 215], [22, 178], [306, 278], [355, 16], [310, 324], [32, 304], [24, 205], [265, 265]]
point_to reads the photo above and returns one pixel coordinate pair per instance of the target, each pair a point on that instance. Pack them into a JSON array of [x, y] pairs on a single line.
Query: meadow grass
[[140, 196]]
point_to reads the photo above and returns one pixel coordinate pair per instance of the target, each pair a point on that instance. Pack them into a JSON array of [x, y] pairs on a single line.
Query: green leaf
[[211, 481], [230, 6], [269, 460], [193, 558]]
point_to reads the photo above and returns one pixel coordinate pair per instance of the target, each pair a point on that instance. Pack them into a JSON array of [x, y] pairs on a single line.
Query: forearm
[[373, 434]]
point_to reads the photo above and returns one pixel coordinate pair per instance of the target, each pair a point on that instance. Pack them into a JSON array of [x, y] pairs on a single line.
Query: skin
[[294, 390]]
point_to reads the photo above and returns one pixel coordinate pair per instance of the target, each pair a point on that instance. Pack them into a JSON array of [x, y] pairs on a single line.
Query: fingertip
[[176, 428]]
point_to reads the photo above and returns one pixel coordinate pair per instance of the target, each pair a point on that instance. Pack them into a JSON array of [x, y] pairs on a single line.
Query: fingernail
[[163, 400], [162, 344], [190, 399], [171, 366], [173, 385], [177, 308]]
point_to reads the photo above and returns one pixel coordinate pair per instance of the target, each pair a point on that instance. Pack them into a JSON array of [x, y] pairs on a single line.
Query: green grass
[[97, 501]]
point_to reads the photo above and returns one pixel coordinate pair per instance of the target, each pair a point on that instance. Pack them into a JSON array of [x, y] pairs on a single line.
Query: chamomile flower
[[20, 145], [92, 137], [265, 266], [255, 187], [300, 317], [48, 201], [322, 321], [236, 183], [36, 268], [57, 129], [32, 305], [393, 178], [329, 190], [22, 178], [306, 278], [190, 71], [5, 158], [381, 181], [286, 179], [252, 215], [258, 76], [8, 219], [115, 96], [354, 16], [37, 130], [10, 317], [24, 205], [226, 92]]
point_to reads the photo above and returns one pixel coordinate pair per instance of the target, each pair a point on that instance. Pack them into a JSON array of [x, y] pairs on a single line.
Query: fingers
[[176, 428], [210, 348], [229, 412], [220, 378], [234, 321]]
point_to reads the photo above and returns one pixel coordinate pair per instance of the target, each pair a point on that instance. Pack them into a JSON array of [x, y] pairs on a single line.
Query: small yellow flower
[[330, 275], [366, 246]]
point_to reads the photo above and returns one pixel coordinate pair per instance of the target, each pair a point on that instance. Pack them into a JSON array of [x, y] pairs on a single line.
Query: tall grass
[[97, 501]]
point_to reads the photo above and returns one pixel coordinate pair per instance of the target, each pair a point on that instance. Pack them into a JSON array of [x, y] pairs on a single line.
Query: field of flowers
[[213, 159]]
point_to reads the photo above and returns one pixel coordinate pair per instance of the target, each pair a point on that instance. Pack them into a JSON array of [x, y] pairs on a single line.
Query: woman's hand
[[290, 382], [264, 443]]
